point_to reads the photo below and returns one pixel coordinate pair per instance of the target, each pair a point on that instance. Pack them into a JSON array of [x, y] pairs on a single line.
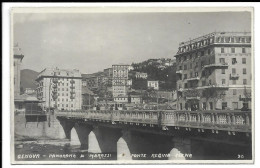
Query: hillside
[[163, 70], [28, 79]]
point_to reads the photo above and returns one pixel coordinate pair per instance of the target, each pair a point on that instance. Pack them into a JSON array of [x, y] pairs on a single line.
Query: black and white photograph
[[132, 85]]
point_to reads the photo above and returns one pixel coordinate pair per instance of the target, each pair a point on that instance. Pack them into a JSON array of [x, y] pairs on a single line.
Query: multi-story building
[[18, 57], [153, 84], [119, 82], [214, 72], [141, 75], [136, 99], [60, 88], [97, 80], [109, 75]]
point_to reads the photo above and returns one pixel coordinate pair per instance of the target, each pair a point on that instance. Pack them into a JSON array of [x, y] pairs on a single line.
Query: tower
[[18, 57]]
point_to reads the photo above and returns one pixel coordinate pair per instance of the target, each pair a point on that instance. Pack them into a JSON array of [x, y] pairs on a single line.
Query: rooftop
[[60, 72], [222, 34]]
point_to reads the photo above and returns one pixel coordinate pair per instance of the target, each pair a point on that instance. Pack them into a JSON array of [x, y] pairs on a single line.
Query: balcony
[[193, 79], [192, 98], [215, 65], [219, 86], [234, 76], [179, 72], [72, 81], [180, 89]]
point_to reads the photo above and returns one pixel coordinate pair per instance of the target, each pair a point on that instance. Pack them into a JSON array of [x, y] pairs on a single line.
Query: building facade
[[214, 72], [119, 81], [60, 88], [153, 84], [18, 57], [141, 75]]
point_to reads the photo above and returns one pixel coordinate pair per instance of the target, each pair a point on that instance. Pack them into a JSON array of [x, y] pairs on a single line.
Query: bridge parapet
[[226, 120]]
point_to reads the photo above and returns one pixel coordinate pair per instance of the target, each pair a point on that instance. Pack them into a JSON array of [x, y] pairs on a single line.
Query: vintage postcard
[[132, 85]]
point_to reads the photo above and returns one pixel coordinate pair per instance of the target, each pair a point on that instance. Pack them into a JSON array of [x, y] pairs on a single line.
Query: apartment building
[[141, 75], [214, 72], [119, 81], [153, 84], [60, 88]]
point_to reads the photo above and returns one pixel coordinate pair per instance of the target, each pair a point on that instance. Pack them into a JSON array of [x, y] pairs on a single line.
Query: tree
[[214, 94]]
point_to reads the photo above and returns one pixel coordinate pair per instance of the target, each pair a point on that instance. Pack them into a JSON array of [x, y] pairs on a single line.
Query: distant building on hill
[[153, 84]]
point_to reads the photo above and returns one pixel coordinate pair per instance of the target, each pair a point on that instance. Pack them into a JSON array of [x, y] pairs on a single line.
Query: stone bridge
[[150, 134]]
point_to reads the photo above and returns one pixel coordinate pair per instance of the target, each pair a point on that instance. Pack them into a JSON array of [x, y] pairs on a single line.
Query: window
[[244, 82], [210, 82], [233, 50], [185, 76], [208, 51], [180, 106], [204, 106], [203, 83], [223, 81], [222, 39], [191, 75], [186, 106], [190, 65], [180, 77], [210, 105], [185, 85], [180, 67], [185, 67], [196, 74], [243, 60], [234, 82], [233, 70], [184, 58], [224, 105], [234, 61], [202, 64], [62, 89], [244, 70], [235, 105], [222, 60], [234, 92], [202, 53], [243, 50], [232, 40], [222, 50], [223, 71], [190, 57], [71, 105], [20, 106]]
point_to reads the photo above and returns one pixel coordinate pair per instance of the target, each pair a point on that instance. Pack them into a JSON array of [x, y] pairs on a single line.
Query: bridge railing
[[214, 119], [224, 120]]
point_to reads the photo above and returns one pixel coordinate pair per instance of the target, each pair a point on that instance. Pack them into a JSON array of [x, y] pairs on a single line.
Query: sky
[[91, 42]]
